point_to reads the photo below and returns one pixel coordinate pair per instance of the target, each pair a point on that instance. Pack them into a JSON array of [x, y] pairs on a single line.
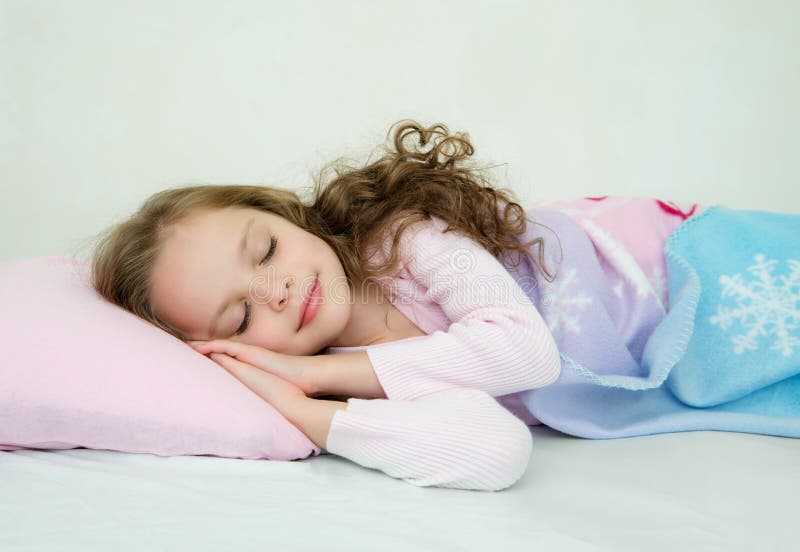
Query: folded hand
[[293, 369]]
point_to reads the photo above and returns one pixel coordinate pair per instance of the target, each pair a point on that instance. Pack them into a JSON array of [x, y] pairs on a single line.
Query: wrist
[[314, 417], [349, 375], [316, 372]]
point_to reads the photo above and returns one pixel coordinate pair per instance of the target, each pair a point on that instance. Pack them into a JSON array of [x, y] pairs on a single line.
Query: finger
[[260, 358], [256, 380], [206, 346], [241, 351], [230, 348]]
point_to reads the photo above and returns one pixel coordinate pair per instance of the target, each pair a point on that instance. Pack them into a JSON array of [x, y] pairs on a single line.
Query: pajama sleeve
[[497, 340], [459, 438]]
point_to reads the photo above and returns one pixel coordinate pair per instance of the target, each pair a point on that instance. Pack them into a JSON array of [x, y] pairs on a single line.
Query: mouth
[[306, 301]]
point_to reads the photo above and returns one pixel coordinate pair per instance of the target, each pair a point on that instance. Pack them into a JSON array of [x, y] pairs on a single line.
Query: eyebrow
[[242, 249]]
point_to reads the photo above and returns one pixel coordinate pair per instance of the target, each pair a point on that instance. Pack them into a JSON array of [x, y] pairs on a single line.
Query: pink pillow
[[78, 371]]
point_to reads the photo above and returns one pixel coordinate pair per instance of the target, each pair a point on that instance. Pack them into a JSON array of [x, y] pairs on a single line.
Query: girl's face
[[216, 265]]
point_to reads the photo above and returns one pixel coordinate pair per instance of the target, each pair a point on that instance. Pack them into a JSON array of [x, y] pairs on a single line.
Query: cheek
[[338, 293], [269, 334]]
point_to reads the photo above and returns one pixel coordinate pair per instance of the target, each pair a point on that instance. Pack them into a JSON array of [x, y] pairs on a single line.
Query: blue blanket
[[726, 356]]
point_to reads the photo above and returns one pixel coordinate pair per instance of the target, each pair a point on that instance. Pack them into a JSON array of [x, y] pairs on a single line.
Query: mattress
[[700, 490]]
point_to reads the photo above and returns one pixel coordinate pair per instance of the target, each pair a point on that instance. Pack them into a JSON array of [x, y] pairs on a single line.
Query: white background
[[104, 102]]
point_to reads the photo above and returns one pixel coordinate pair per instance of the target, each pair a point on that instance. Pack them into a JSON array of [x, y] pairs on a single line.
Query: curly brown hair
[[422, 172]]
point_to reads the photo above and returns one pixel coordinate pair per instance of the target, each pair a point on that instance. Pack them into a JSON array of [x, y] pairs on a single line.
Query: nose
[[272, 291]]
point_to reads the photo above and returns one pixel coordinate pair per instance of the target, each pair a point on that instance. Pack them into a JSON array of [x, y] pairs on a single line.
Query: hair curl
[[421, 173]]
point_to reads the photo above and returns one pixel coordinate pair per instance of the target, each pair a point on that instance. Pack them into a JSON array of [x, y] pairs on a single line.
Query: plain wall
[[103, 103]]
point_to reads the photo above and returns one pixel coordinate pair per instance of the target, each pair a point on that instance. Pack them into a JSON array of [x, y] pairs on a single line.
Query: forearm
[[461, 438], [349, 375], [313, 417]]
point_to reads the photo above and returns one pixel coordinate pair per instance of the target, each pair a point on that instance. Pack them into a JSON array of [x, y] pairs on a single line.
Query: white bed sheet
[[702, 490]]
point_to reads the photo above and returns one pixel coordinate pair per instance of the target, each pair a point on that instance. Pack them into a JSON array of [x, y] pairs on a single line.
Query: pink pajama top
[[452, 417]]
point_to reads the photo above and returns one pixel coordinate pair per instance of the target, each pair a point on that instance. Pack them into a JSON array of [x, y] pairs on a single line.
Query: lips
[[306, 300]]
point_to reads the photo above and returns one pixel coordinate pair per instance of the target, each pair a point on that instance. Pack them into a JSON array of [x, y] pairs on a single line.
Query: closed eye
[[273, 243]]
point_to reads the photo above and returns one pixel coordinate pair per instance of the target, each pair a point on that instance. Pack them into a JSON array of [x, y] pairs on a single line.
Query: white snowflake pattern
[[765, 305], [560, 305], [616, 255], [659, 283]]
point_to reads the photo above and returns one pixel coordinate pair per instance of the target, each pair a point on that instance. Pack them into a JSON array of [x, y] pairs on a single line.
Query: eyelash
[[273, 243]]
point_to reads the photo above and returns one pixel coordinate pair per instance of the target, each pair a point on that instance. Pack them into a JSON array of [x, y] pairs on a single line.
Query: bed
[[700, 490]]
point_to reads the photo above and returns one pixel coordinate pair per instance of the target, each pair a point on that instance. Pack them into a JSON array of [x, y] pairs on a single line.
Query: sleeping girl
[[406, 313]]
